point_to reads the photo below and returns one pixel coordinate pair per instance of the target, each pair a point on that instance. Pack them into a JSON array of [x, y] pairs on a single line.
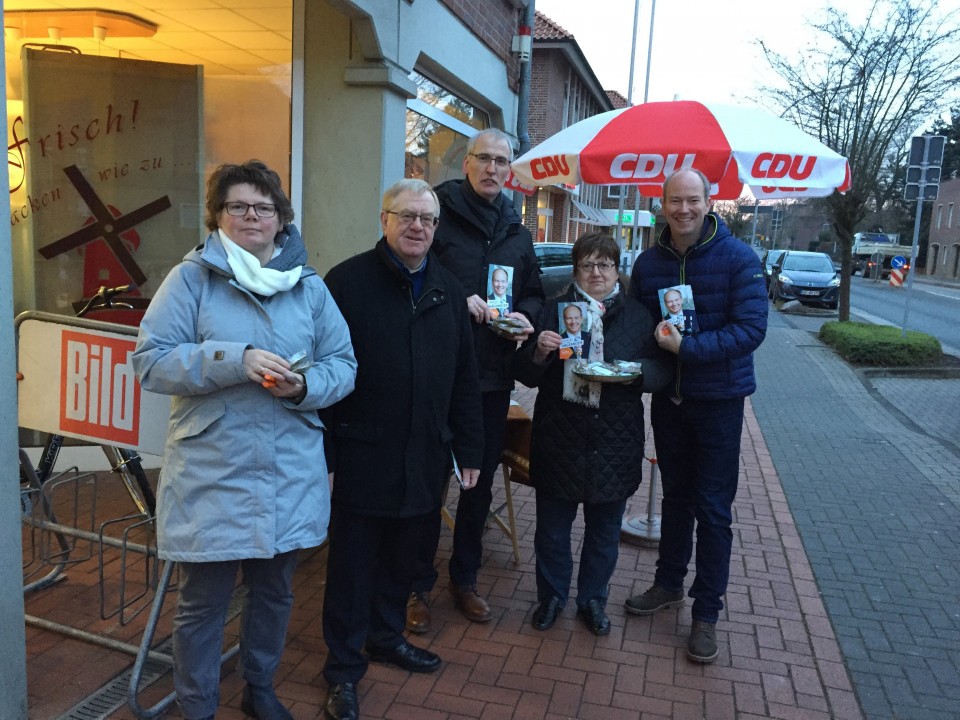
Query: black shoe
[[342, 702], [262, 703], [595, 618], [405, 656], [654, 599], [702, 643], [546, 615]]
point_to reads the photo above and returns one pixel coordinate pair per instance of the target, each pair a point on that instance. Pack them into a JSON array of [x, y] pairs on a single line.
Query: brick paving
[[844, 597], [872, 481]]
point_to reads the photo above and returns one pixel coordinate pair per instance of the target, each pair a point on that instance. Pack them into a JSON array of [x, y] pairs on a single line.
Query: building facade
[[943, 246], [563, 90]]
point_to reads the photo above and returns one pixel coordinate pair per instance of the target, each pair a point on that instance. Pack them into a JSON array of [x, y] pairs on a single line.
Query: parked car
[[806, 276], [556, 266], [769, 259]]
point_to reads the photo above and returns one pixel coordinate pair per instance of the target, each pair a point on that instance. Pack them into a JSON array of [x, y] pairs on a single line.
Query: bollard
[[644, 530]]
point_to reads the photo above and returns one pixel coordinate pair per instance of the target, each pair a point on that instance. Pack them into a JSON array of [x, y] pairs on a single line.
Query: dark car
[[769, 259], [556, 266], [806, 276]]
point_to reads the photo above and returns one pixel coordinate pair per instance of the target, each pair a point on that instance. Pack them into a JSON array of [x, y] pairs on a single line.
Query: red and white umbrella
[[643, 144]]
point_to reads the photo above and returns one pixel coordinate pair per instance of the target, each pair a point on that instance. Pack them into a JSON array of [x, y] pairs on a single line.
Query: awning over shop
[[591, 215]]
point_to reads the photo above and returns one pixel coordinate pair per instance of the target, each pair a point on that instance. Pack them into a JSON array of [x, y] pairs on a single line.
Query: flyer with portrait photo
[[499, 289], [676, 307], [573, 324]]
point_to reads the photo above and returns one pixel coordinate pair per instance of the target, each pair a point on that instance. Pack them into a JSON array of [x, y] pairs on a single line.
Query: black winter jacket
[[593, 455], [416, 393], [467, 249]]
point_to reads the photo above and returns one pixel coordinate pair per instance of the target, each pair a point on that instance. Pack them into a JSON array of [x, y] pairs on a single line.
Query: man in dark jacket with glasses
[[479, 228]]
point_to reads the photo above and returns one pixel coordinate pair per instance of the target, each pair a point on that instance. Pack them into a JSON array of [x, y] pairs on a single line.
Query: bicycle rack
[[134, 527], [37, 511], [62, 512]]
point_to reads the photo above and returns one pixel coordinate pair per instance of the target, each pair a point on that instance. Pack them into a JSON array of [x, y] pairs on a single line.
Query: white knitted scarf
[[248, 272]]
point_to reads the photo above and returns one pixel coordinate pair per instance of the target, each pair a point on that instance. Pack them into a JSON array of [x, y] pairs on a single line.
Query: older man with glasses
[[479, 228], [415, 402]]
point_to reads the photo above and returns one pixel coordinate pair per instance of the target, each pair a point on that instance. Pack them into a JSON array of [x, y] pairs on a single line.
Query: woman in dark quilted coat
[[587, 437]]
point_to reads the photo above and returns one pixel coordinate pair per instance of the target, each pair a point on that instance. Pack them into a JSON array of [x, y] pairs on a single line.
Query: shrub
[[880, 345]]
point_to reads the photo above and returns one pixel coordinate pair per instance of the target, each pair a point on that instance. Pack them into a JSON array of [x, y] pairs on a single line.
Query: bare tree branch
[[863, 91]]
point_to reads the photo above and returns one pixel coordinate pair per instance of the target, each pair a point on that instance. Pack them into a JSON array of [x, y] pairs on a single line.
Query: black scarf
[[486, 215]]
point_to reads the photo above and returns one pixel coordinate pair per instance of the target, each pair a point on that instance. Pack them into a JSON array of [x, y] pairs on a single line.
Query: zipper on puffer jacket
[[683, 281], [683, 278]]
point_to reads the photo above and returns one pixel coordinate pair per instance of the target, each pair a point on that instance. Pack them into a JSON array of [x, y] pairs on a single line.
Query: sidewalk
[[843, 592], [869, 466]]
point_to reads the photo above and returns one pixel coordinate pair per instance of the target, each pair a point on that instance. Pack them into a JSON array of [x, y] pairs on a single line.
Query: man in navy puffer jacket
[[697, 420]]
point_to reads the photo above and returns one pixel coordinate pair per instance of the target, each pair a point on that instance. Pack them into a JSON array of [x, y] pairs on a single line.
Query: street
[[933, 309]]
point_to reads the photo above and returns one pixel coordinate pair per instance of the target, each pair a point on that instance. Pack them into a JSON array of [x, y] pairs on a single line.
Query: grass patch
[[881, 345]]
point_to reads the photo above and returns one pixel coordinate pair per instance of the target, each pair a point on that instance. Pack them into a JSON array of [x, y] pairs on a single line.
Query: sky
[[702, 49]]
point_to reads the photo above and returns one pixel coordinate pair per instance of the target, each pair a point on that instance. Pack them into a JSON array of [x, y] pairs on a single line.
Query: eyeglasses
[[603, 267], [485, 159], [407, 218], [239, 209]]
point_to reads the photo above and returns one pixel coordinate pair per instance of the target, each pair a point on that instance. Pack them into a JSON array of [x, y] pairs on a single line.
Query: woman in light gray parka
[[244, 480]]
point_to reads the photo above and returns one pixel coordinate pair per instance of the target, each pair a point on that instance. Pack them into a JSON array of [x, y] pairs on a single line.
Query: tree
[[729, 212], [863, 90]]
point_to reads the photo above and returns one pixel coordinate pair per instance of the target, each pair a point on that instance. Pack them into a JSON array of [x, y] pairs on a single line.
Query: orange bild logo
[[99, 393]]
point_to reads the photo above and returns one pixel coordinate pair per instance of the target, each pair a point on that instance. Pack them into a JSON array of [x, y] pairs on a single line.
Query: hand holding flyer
[[677, 308]]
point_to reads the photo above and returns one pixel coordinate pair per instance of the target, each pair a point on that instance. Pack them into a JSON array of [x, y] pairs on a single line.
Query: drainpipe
[[523, 97]]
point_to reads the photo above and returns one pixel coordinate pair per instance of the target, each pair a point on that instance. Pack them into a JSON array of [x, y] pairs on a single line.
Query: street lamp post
[[623, 188], [643, 530]]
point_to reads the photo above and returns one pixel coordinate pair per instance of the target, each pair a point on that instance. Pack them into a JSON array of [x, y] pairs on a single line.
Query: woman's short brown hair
[[252, 172], [599, 244]]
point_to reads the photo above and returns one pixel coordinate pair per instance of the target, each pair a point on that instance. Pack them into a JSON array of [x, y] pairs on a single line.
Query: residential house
[[943, 246]]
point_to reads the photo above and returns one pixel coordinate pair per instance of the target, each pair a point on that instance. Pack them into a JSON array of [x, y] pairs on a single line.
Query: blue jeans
[[598, 557], [698, 453], [205, 591]]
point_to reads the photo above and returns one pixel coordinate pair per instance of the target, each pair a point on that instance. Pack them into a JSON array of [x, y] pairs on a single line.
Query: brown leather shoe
[[418, 613], [473, 607]]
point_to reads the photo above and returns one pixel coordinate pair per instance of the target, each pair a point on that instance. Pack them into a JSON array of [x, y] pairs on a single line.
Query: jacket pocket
[[197, 419], [358, 430], [312, 419]]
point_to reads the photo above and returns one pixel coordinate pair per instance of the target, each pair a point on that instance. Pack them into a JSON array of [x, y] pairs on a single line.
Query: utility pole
[[623, 188]]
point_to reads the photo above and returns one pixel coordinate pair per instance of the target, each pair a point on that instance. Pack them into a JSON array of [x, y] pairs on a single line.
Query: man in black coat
[[416, 401], [479, 228]]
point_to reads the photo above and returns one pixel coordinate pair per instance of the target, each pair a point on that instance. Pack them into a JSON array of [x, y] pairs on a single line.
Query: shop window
[[438, 125], [120, 141]]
